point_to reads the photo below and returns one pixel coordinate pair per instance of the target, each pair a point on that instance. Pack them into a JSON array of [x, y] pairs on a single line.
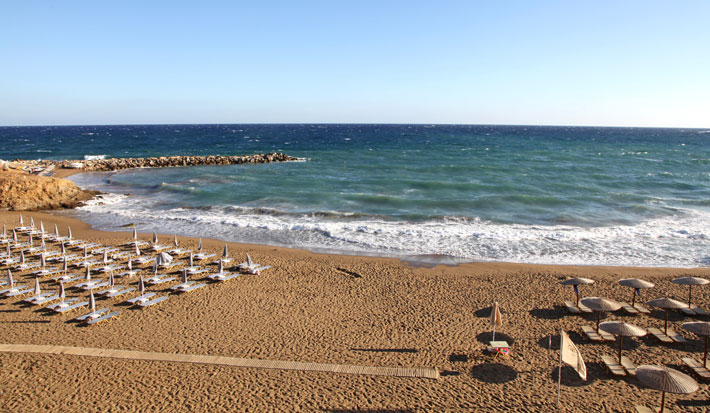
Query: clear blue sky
[[625, 63]]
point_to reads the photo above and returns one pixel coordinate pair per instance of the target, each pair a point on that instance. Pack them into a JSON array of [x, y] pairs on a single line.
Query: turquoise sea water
[[617, 196]]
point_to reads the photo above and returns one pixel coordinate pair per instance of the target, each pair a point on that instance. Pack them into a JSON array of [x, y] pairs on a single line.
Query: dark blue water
[[624, 196]]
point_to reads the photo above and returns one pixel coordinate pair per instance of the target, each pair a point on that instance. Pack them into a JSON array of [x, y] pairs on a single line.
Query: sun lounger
[[134, 243], [109, 268], [71, 307], [34, 298], [143, 260], [697, 368], [94, 286], [86, 263], [66, 278], [45, 272], [628, 365], [170, 265], [120, 292], [179, 251], [141, 298], [13, 292], [187, 287], [65, 303], [103, 318], [87, 283], [613, 365], [158, 280], [258, 270], [223, 276], [120, 255], [202, 256], [698, 311], [660, 335], [642, 309], [9, 261], [69, 258], [111, 290], [91, 246], [12, 289], [107, 250], [198, 271], [26, 266], [159, 248], [127, 273], [687, 311], [593, 335], [47, 299], [93, 314], [153, 301], [676, 337], [628, 308]]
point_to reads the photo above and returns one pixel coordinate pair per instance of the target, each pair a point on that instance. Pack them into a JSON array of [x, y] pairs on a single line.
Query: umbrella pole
[[665, 323], [690, 292], [705, 353], [599, 315], [663, 401], [633, 298], [621, 338], [577, 294]]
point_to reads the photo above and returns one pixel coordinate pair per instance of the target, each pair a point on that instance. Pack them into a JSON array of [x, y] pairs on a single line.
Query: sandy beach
[[347, 310]]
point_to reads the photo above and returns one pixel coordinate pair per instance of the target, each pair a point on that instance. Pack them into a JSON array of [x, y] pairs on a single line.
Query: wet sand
[[341, 309]]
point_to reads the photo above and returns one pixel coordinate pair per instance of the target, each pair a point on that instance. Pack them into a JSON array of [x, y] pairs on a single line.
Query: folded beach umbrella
[[138, 250], [666, 304], [8, 251], [496, 319], [184, 275], [42, 244], [221, 267], [4, 231], [110, 279], [600, 304], [175, 241], [29, 239], [32, 222], [14, 236], [65, 265], [86, 252], [163, 258], [574, 282], [38, 290], [69, 232], [702, 329], [92, 302], [64, 249], [56, 230], [105, 257], [22, 223], [10, 281], [250, 263], [41, 227], [155, 238], [141, 286], [191, 261], [135, 234], [87, 275], [42, 261], [621, 329], [155, 267], [62, 293], [690, 282], [130, 265], [22, 257], [199, 246], [225, 253], [666, 380]]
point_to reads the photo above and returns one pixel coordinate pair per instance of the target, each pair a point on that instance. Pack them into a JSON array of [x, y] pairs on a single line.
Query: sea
[[425, 193]]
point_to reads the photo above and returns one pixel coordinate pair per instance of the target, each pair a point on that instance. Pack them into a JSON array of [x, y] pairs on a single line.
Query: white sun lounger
[[102, 318], [141, 298], [71, 307], [258, 270], [143, 260], [34, 298], [94, 286], [13, 292], [127, 273], [66, 303], [154, 301], [12, 289], [187, 287], [159, 248], [198, 271], [26, 266], [109, 268], [159, 280], [66, 278], [202, 256], [120, 292], [46, 300], [87, 283], [93, 314], [179, 251], [223, 276], [45, 272]]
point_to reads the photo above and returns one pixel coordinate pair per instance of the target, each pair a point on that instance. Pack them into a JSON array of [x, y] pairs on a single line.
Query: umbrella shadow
[[485, 312], [694, 403], [495, 373], [660, 314], [570, 378], [547, 313], [487, 336]]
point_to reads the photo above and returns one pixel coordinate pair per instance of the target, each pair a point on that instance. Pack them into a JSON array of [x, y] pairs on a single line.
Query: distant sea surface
[[530, 194]]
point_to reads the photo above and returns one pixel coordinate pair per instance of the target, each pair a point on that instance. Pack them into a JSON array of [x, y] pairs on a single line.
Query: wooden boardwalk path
[[423, 372]]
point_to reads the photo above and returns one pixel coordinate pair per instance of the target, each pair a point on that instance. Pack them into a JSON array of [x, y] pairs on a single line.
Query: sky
[[595, 63]]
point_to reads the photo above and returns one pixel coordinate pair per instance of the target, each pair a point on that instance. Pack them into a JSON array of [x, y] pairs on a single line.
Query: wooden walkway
[[424, 372]]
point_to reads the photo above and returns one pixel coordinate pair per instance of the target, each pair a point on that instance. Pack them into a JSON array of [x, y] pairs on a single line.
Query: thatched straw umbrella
[[600, 304], [690, 282], [666, 380], [666, 304], [702, 329], [574, 282], [621, 329], [637, 284]]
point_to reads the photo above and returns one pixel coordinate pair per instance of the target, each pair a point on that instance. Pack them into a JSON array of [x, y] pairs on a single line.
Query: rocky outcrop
[[24, 192]]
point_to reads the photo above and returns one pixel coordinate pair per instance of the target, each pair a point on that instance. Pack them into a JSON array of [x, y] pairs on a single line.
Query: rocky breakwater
[[115, 164], [20, 191]]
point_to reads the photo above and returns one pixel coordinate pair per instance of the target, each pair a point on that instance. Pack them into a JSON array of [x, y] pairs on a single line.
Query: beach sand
[[341, 309]]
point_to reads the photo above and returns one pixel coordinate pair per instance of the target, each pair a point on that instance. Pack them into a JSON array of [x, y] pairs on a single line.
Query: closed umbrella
[[690, 282], [38, 290], [62, 294], [199, 246], [496, 319], [87, 276], [666, 380], [621, 329], [163, 258], [69, 233], [92, 302], [175, 241], [135, 234], [184, 275], [225, 253], [702, 329], [600, 304], [574, 282], [10, 281], [155, 238], [666, 304], [141, 285]]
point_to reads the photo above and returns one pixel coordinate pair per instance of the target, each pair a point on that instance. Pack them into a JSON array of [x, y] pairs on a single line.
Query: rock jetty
[[115, 164]]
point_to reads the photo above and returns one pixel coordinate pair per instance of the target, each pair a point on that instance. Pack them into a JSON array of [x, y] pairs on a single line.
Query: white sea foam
[[675, 241]]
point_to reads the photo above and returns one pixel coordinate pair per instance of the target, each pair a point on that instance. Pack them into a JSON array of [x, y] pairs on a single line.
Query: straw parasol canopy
[[575, 282], [666, 304], [702, 329], [666, 380], [600, 304], [621, 329], [690, 282]]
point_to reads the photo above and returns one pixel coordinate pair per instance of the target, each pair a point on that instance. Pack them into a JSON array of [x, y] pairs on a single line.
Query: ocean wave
[[677, 241]]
